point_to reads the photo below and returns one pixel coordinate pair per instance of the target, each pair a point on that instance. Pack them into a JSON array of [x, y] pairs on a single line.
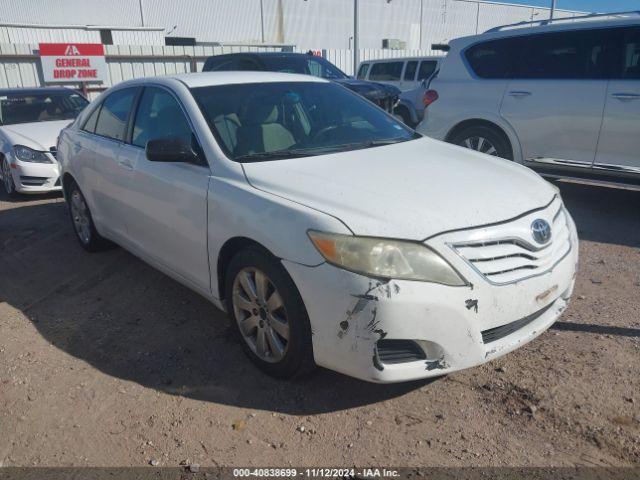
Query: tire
[[275, 313], [7, 180], [404, 116], [484, 139], [82, 222]]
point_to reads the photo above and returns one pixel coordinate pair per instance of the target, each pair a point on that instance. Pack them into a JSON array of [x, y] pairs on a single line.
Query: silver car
[[562, 96]]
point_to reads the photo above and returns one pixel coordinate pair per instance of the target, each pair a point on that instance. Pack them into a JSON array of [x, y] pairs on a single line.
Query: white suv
[[562, 96]]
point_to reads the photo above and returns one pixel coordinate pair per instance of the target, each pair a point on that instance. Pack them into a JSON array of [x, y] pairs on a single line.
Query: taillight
[[429, 97]]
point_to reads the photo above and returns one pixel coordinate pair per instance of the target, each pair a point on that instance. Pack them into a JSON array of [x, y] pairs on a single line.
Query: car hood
[[370, 89], [411, 190], [36, 135]]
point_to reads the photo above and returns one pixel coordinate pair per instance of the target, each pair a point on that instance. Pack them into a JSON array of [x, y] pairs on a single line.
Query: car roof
[[264, 54], [403, 59], [207, 79], [36, 90], [524, 29]]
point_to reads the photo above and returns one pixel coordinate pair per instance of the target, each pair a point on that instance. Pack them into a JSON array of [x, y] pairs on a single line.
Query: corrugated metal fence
[[20, 64]]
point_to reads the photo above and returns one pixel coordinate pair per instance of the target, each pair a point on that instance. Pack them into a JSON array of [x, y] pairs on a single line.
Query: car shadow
[[604, 215], [132, 322]]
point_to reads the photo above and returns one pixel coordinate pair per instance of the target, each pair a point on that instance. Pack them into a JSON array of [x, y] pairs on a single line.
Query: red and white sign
[[73, 62]]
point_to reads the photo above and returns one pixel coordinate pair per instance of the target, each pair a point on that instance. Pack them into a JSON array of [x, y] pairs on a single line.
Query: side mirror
[[170, 149]]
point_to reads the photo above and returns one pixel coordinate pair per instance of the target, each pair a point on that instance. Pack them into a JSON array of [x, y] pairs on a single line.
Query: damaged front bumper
[[393, 331]]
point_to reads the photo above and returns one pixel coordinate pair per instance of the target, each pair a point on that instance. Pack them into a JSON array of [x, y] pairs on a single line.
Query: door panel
[[556, 94], [111, 178], [556, 119], [619, 145], [109, 192], [166, 214]]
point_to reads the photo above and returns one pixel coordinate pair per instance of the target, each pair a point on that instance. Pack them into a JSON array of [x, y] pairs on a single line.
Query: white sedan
[[30, 121], [331, 234]]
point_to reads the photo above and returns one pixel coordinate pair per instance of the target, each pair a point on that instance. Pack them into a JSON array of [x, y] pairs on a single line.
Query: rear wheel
[[7, 179], [484, 139], [269, 315], [83, 226]]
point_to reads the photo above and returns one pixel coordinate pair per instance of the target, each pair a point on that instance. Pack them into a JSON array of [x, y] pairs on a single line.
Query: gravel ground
[[104, 361]]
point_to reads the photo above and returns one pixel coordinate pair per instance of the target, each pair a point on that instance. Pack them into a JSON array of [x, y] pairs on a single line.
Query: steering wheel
[[325, 130]]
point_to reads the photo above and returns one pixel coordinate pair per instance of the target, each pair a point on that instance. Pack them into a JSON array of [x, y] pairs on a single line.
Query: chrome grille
[[514, 258]]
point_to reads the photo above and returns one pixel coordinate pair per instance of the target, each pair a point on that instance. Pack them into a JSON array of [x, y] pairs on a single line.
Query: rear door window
[[427, 68], [410, 70], [386, 71], [578, 55], [90, 124], [114, 114], [490, 60], [362, 71], [629, 57]]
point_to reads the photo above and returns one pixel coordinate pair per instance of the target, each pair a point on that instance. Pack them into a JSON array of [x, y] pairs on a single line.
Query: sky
[[585, 5]]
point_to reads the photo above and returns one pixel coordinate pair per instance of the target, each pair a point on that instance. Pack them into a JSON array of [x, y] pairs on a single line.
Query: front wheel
[[485, 140], [7, 179], [268, 314]]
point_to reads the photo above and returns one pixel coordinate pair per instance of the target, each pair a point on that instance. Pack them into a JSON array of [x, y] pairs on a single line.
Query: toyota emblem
[[541, 231]]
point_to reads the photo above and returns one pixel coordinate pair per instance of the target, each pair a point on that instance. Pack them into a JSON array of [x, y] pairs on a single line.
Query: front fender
[[236, 209]]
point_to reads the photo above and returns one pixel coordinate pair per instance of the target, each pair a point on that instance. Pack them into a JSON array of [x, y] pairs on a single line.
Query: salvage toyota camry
[[332, 234]]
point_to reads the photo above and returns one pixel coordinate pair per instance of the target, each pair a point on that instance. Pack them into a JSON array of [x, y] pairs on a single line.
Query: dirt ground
[[104, 361]]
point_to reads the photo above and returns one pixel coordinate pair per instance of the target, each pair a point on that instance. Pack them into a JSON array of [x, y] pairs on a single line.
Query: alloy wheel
[[7, 179], [80, 216], [261, 314], [480, 144]]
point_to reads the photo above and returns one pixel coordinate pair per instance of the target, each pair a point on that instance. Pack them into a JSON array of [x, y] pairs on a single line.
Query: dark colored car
[[385, 96]]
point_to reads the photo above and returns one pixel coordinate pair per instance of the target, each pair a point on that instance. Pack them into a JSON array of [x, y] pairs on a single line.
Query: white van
[[407, 74], [404, 73]]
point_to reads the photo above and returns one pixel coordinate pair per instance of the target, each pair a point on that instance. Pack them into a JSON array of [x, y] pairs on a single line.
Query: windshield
[[270, 121], [304, 64], [39, 107]]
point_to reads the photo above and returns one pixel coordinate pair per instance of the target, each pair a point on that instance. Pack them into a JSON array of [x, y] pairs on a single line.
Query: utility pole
[[262, 20], [355, 37], [553, 9]]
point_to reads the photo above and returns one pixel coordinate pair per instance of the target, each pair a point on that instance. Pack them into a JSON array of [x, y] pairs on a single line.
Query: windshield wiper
[[319, 150], [275, 155]]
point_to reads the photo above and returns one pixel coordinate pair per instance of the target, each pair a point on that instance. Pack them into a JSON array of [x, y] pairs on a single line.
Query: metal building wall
[[310, 24], [22, 34], [207, 20], [73, 12]]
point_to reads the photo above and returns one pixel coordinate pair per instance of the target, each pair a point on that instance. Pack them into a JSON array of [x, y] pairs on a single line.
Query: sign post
[[73, 62]]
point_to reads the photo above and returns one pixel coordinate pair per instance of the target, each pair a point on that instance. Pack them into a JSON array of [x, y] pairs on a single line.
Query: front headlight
[[26, 154], [383, 258]]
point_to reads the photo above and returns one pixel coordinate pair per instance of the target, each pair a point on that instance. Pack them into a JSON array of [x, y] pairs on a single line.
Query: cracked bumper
[[349, 313]]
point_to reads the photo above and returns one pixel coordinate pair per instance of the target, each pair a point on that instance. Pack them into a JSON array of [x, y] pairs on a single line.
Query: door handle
[[519, 94], [625, 97], [126, 164]]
